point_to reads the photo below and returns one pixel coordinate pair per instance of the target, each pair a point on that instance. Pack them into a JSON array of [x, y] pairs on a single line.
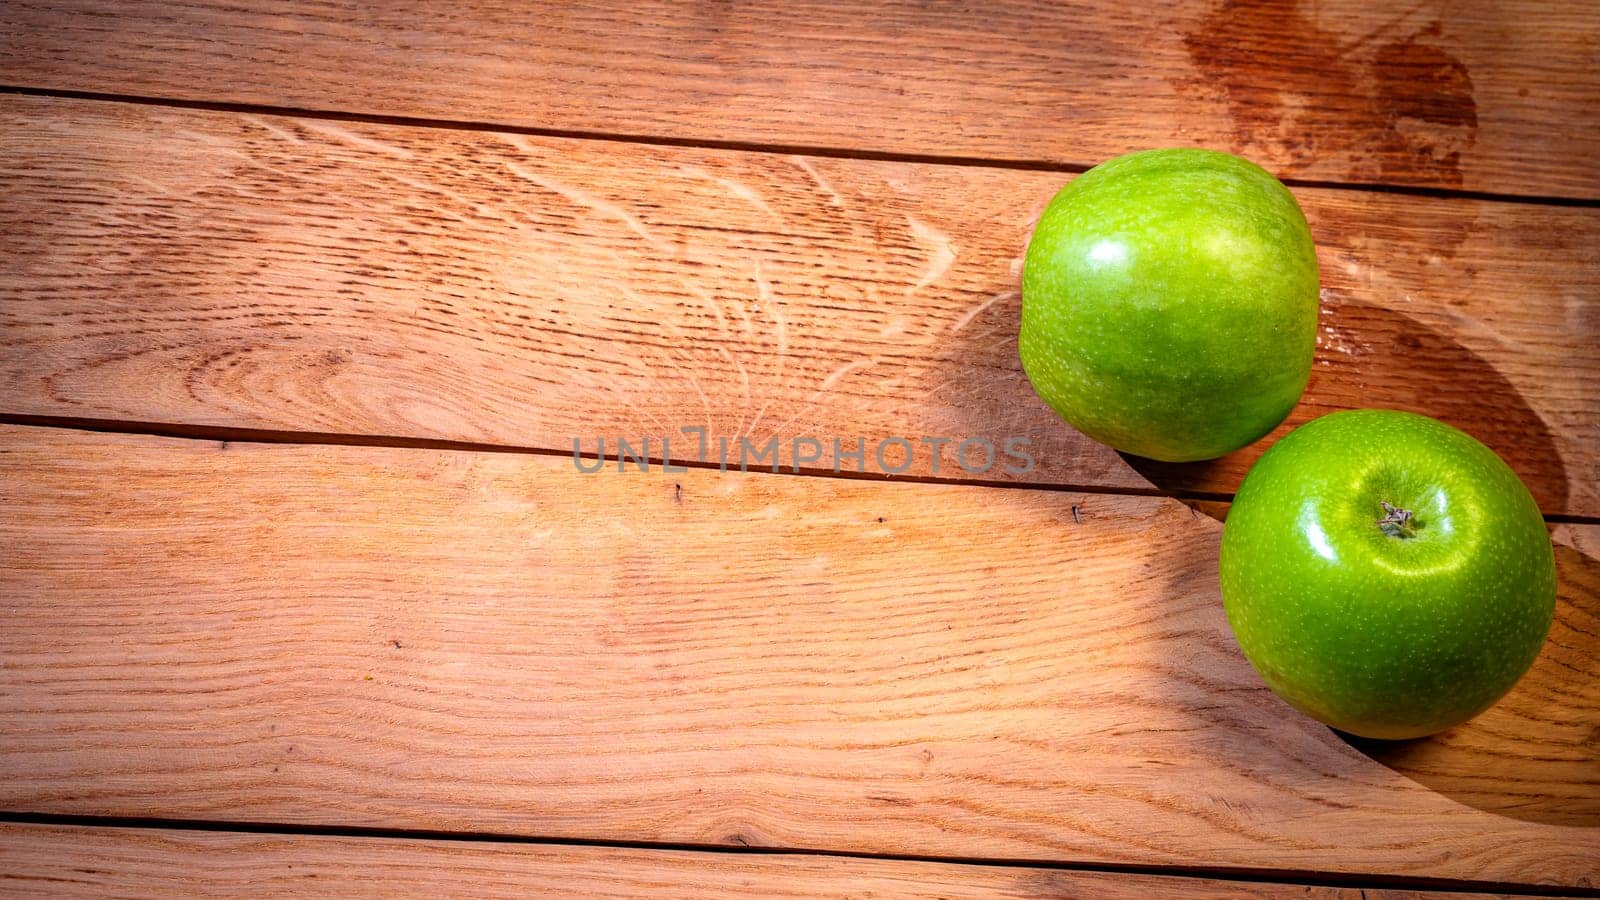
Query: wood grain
[[305, 275], [493, 642], [1484, 96], [58, 861]]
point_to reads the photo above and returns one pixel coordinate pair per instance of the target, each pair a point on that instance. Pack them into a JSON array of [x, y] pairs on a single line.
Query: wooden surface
[[51, 861], [473, 232], [304, 275], [1480, 95], [495, 642]]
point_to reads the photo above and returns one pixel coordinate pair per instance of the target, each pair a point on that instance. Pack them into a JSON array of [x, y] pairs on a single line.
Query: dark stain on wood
[[1403, 106]]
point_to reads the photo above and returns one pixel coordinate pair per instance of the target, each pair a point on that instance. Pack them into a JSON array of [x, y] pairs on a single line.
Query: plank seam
[[825, 152], [236, 435], [1308, 878]]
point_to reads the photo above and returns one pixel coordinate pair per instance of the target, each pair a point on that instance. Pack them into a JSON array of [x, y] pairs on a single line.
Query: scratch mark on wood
[[942, 253], [604, 207], [969, 315], [764, 289], [827, 384], [350, 138], [739, 189], [265, 123], [805, 165]]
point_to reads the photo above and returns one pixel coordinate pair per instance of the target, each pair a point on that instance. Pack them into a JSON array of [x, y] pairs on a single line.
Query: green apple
[[1386, 573], [1169, 303]]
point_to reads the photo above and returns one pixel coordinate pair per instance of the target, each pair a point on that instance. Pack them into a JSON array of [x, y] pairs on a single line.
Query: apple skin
[[1374, 633], [1169, 303]]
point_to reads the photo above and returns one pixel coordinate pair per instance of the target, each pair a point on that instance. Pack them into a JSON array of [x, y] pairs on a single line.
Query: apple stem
[[1396, 522]]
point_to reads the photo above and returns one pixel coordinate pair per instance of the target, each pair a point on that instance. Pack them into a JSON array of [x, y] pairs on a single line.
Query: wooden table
[[305, 303]]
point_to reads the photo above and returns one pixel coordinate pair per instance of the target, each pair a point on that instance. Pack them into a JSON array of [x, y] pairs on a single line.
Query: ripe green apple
[[1169, 303], [1386, 574]]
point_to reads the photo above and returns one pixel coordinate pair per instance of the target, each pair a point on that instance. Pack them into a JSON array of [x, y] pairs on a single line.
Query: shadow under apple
[[1369, 356], [1535, 755]]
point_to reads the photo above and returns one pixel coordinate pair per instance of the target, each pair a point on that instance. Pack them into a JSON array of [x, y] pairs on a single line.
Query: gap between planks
[[1261, 879], [822, 151], [230, 435]]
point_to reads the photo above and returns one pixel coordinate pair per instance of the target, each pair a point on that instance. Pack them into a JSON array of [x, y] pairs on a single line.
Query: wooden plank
[[1492, 97], [53, 861], [495, 643], [302, 275]]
